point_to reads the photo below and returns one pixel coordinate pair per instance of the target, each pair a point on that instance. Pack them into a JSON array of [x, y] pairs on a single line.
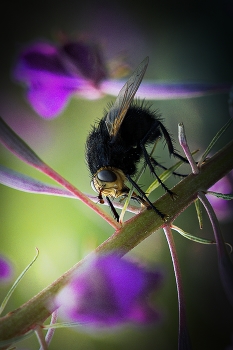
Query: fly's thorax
[[109, 181]]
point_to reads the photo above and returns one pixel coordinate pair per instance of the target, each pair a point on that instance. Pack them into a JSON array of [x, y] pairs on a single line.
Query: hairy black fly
[[118, 142]]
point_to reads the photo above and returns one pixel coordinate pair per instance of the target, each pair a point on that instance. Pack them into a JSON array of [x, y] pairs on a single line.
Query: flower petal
[[109, 291], [5, 269], [53, 74]]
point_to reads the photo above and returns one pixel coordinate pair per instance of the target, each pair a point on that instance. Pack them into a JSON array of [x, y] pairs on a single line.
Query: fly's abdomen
[[138, 122]]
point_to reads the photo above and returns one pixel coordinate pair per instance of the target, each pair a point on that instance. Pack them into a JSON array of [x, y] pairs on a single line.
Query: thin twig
[[51, 331], [184, 145], [41, 338], [184, 339], [224, 261]]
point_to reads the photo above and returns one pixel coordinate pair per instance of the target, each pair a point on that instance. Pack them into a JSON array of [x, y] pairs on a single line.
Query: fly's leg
[[155, 163], [113, 210], [169, 143], [149, 160], [135, 185]]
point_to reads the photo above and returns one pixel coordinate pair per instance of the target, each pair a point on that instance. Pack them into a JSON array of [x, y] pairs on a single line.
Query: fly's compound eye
[[108, 182], [106, 176]]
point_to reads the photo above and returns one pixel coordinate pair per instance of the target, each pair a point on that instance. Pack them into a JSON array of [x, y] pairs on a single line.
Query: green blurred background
[[185, 40]]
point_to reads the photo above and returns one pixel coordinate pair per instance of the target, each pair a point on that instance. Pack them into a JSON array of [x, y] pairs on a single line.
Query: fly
[[118, 142]]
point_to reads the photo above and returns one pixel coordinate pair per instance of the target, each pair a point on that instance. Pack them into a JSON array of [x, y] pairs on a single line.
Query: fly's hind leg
[[170, 144], [148, 158], [155, 163], [151, 162]]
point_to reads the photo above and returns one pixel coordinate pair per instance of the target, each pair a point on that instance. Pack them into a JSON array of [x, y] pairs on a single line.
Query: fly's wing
[[118, 111]]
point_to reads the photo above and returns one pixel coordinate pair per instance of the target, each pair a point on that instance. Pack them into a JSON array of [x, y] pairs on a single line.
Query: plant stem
[[184, 340], [224, 262]]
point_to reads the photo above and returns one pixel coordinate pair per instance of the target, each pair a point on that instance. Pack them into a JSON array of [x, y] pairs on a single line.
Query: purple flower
[[223, 208], [109, 291], [5, 269], [53, 74]]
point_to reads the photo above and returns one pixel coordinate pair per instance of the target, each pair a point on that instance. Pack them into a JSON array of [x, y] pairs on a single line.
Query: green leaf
[[215, 139], [64, 325], [191, 237], [199, 212], [163, 177], [221, 195], [7, 297]]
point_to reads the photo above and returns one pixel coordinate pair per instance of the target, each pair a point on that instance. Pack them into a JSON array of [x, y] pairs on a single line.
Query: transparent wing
[[118, 111]]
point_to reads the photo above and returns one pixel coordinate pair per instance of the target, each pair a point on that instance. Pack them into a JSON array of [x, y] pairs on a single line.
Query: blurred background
[[185, 41]]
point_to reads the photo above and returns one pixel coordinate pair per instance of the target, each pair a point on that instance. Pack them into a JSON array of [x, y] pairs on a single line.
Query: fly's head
[[109, 182]]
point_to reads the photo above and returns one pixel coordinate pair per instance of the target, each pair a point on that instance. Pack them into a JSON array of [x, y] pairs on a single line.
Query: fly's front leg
[[135, 185], [113, 210]]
